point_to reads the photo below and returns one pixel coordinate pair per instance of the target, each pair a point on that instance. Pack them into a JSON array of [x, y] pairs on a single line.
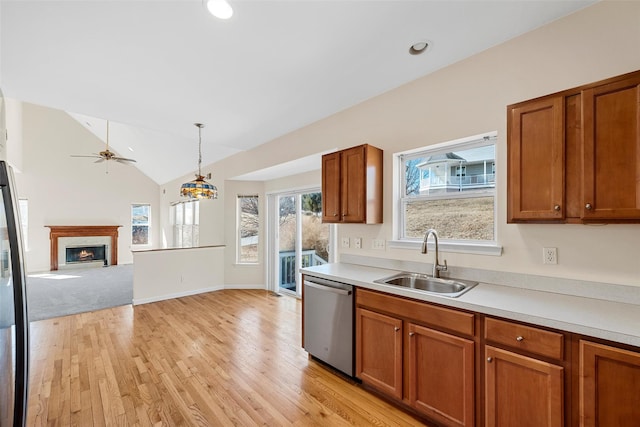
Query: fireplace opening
[[86, 254]]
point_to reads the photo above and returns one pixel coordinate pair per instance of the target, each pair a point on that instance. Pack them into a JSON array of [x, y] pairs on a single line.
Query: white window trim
[[143, 245], [479, 247], [194, 225]]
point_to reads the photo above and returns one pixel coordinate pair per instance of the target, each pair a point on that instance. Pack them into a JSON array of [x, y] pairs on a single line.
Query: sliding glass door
[[301, 239]]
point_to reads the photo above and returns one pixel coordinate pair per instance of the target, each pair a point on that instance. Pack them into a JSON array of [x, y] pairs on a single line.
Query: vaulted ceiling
[[153, 68]]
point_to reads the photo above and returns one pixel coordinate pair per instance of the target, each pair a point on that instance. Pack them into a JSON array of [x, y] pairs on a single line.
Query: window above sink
[[450, 187]]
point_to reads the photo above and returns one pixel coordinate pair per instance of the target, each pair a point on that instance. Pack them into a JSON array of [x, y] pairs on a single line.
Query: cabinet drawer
[[533, 340], [421, 312]]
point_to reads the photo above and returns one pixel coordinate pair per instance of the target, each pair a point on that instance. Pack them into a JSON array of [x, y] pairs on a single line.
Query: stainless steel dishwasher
[[328, 322]]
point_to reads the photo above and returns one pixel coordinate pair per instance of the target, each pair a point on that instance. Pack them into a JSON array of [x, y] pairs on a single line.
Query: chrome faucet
[[437, 267]]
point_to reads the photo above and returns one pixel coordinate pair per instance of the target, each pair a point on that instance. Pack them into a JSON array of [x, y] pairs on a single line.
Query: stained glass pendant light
[[199, 188]]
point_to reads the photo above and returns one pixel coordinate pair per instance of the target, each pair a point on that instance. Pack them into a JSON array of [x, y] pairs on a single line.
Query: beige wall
[[470, 98], [165, 274], [75, 191]]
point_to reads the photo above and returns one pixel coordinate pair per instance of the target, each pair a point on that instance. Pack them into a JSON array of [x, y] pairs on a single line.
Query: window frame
[[239, 260], [148, 225], [484, 247], [195, 223]]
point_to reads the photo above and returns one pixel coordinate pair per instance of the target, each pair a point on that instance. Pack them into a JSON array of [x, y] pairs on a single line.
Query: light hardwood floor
[[230, 357]]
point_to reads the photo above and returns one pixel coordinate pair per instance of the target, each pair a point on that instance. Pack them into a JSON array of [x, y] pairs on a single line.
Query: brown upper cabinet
[[574, 156], [352, 186]]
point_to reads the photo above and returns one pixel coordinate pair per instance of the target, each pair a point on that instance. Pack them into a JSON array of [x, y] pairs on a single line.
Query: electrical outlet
[[345, 242], [377, 244], [357, 242], [549, 255]]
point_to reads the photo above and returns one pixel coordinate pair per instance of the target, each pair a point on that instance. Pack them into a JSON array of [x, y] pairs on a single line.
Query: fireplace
[[87, 236], [86, 254]]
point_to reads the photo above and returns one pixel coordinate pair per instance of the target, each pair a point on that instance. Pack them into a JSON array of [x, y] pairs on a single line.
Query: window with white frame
[[248, 225], [449, 187], [140, 223], [186, 220]]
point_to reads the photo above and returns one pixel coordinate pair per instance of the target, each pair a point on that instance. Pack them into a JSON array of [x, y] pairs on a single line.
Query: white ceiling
[[153, 68]]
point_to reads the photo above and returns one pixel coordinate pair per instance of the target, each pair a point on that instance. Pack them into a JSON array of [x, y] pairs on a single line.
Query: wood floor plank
[[229, 357]]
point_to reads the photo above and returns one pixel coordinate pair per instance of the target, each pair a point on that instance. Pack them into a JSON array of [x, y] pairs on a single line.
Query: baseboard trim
[[158, 298], [245, 286]]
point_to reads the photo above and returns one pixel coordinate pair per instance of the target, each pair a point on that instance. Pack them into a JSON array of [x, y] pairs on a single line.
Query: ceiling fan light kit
[[199, 188]]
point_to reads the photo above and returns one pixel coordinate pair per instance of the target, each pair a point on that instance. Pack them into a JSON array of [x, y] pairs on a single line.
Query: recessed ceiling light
[[418, 48], [130, 149], [220, 9]]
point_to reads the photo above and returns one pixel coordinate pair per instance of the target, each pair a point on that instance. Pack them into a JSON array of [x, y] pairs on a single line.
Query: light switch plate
[[357, 242], [377, 244]]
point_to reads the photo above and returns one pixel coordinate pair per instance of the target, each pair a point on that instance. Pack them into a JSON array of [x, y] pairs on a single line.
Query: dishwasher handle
[[327, 288]]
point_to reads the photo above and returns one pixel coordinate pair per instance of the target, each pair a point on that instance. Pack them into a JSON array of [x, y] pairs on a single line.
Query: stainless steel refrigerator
[[14, 324]]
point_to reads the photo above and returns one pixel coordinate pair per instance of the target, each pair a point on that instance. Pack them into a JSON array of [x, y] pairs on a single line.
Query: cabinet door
[[331, 187], [521, 391], [611, 157], [609, 386], [353, 184], [441, 379], [379, 351], [536, 161]]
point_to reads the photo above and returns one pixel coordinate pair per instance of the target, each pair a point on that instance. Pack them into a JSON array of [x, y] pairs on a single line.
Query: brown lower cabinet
[[524, 375], [379, 350], [522, 391], [609, 386], [458, 368], [411, 352], [441, 375]]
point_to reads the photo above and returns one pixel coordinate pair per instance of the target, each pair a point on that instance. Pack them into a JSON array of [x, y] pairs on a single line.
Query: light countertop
[[610, 320]]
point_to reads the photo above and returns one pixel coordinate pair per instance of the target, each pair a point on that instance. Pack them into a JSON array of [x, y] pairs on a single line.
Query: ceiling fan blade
[[123, 159], [92, 157], [100, 160]]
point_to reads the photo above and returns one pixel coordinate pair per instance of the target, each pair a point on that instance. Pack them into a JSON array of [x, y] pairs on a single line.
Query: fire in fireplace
[[83, 254]]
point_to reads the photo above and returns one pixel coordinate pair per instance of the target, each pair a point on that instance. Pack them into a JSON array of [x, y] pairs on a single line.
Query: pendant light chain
[[200, 125]]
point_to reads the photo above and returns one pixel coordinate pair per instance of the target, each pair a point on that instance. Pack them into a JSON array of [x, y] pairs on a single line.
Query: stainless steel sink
[[447, 287]]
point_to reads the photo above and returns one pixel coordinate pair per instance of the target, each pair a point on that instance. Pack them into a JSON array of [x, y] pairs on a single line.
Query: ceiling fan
[[107, 154]]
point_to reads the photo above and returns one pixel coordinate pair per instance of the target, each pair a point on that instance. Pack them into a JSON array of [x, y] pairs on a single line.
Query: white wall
[[470, 98], [75, 191], [164, 274], [13, 148]]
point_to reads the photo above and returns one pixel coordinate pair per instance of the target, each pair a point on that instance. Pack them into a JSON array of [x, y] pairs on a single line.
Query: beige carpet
[[63, 292]]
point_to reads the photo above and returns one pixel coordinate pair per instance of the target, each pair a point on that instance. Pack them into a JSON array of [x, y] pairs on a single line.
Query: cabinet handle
[[411, 334], [489, 359], [556, 208], [588, 206], [520, 338], [396, 329], [335, 214]]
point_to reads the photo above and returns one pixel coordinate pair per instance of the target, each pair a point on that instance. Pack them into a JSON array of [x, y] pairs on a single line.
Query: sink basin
[[423, 282]]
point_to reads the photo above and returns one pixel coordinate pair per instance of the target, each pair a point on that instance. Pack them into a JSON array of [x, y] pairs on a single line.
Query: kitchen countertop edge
[[613, 321]]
